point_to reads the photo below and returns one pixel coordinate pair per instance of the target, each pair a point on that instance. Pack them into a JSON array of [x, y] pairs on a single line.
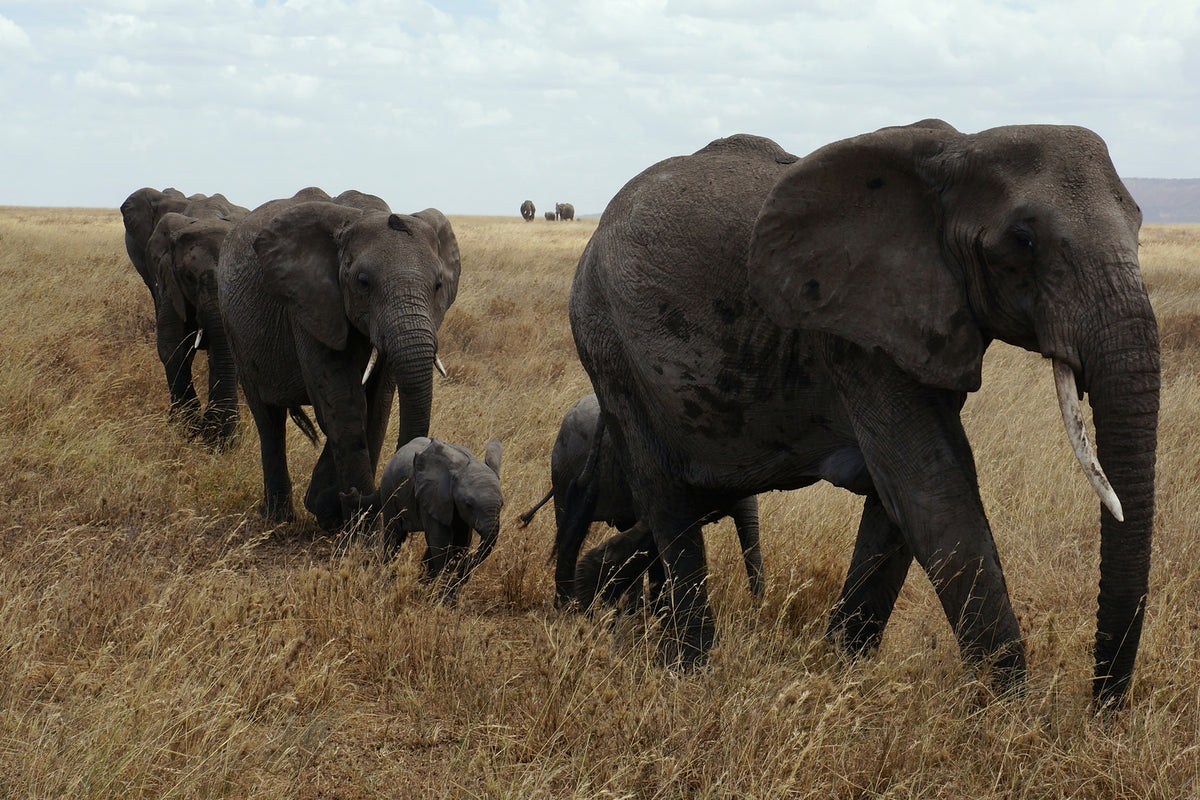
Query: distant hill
[[1165, 200]]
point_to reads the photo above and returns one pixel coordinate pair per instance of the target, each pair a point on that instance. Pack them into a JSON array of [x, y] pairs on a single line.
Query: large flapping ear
[[161, 255], [447, 250], [435, 471], [848, 242], [298, 251]]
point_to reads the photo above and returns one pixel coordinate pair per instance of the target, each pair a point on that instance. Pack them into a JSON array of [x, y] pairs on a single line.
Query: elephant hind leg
[[277, 484], [877, 571]]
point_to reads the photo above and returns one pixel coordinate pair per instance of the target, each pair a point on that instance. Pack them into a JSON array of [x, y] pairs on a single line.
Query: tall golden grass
[[158, 640]]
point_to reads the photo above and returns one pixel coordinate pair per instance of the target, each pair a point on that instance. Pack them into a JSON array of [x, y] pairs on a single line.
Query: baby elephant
[[616, 566], [442, 489]]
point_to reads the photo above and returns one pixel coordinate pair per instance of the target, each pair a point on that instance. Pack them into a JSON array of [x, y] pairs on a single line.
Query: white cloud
[[561, 101]]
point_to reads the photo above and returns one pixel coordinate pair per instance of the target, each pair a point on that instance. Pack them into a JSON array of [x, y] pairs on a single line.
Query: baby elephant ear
[[298, 251], [492, 454], [436, 469], [848, 242]]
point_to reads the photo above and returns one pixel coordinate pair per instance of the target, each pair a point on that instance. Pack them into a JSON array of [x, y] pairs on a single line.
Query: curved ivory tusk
[[1068, 402], [441, 368], [199, 336], [370, 365]]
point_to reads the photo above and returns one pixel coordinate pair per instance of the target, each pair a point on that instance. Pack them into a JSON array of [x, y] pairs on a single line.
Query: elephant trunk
[[221, 416], [411, 353], [1122, 379]]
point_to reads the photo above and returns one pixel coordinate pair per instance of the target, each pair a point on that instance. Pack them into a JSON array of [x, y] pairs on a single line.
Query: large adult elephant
[[183, 254], [143, 209], [754, 321], [332, 306], [564, 211], [527, 210]]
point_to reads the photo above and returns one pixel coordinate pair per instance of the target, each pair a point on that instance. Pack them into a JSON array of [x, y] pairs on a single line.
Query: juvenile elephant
[[442, 489], [183, 254], [550, 216], [754, 321], [332, 306], [527, 210], [143, 209], [564, 211], [604, 496]]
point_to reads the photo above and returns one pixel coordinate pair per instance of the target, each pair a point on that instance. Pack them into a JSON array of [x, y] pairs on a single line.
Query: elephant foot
[[326, 506], [689, 651], [277, 509], [855, 634]]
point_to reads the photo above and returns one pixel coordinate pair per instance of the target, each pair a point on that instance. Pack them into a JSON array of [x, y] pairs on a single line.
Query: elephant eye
[[1023, 235], [364, 280]]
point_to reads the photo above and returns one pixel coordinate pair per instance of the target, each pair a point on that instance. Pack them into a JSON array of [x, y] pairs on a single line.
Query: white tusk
[[1068, 402], [199, 336], [370, 365], [441, 368]]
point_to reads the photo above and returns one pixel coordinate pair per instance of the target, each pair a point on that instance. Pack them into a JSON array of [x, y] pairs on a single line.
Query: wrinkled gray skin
[[143, 209], [564, 211], [617, 566], [550, 217], [182, 253], [307, 286], [527, 210], [834, 335], [442, 489]]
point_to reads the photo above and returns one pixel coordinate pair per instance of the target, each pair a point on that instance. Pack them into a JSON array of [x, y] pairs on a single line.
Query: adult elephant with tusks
[[336, 307], [144, 208], [754, 321], [565, 211], [527, 210], [183, 253]]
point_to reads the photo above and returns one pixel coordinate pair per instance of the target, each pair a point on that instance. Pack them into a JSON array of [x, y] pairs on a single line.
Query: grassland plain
[[158, 640]]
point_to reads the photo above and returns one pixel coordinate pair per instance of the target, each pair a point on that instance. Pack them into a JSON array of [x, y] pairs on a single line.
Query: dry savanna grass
[[158, 640]]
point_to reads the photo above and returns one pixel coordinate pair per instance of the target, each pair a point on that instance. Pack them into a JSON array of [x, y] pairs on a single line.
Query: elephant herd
[[750, 321], [562, 211]]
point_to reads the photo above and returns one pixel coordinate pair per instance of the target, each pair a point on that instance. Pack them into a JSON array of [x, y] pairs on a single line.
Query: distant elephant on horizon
[[527, 210], [143, 209], [444, 490], [550, 216], [565, 211], [183, 253], [315, 295], [604, 495]]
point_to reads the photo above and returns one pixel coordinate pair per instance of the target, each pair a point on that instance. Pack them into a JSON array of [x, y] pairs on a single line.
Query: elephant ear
[[161, 255], [298, 250], [492, 453], [436, 471], [447, 251], [848, 242]]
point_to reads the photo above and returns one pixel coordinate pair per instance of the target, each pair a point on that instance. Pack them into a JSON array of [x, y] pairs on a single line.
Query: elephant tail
[[528, 515], [304, 423]]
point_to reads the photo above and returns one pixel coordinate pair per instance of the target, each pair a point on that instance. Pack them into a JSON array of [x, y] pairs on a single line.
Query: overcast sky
[[475, 105]]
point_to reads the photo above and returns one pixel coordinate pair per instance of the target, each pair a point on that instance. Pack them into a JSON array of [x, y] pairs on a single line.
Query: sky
[[472, 106]]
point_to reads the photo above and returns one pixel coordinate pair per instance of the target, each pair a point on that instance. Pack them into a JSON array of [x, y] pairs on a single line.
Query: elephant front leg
[[175, 350], [922, 467], [877, 571]]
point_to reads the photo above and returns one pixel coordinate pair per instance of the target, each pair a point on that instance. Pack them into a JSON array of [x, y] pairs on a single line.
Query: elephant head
[[184, 252], [141, 212], [387, 278], [926, 244]]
